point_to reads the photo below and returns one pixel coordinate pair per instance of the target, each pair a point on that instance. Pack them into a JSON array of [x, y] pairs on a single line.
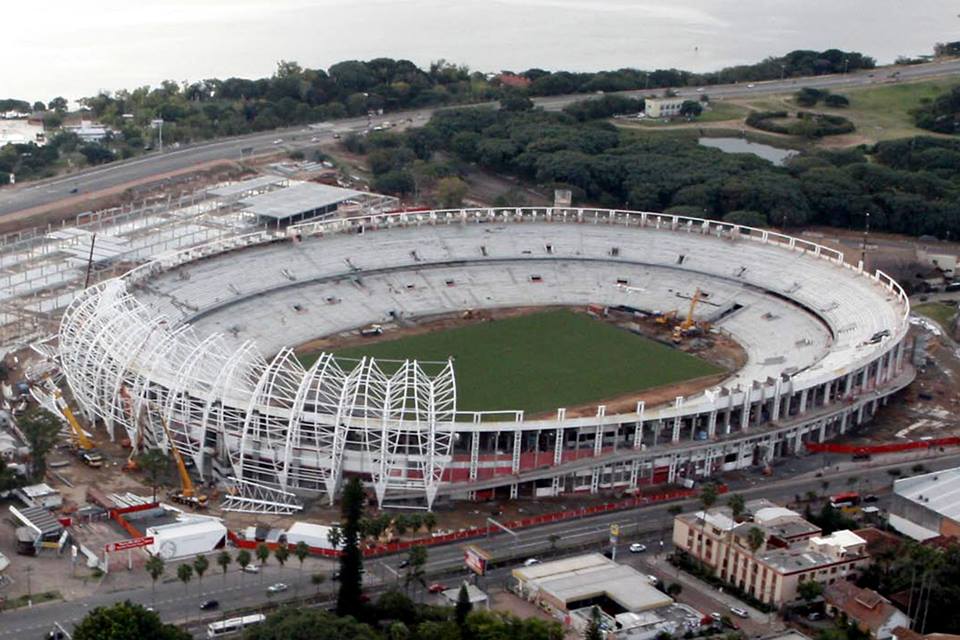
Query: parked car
[[437, 587], [814, 616], [715, 616], [737, 611], [251, 568], [207, 605], [278, 141], [636, 547], [653, 579], [751, 86], [870, 498], [529, 562], [278, 587], [404, 564]]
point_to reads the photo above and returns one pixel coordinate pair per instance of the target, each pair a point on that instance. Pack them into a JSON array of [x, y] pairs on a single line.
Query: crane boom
[[185, 481], [688, 321]]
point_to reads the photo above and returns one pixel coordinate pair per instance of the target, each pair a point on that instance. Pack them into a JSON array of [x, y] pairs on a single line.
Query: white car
[[251, 568], [699, 89], [529, 562], [278, 141], [636, 547], [751, 86], [739, 612], [277, 588], [653, 579]]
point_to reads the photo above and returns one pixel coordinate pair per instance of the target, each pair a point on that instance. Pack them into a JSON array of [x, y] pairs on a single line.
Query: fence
[[480, 532], [890, 447]]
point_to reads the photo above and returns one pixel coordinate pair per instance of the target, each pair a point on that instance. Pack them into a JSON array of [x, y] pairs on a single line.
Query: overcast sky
[[76, 48]]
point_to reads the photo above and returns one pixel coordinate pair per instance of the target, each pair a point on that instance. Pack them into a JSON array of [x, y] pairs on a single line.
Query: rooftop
[[244, 187], [866, 606], [938, 491], [596, 576], [297, 200]]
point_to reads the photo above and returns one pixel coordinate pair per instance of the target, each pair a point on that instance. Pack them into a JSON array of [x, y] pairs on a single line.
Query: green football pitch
[[541, 361]]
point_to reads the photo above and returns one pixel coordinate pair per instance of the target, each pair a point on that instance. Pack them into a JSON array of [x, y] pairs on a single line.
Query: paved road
[[28, 195], [649, 524]]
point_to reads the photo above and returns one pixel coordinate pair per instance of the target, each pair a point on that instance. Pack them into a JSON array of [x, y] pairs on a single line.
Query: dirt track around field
[[722, 351]]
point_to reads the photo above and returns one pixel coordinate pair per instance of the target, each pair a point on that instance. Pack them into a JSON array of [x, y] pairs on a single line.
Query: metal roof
[[246, 186], [938, 491], [623, 584], [298, 199], [38, 519]]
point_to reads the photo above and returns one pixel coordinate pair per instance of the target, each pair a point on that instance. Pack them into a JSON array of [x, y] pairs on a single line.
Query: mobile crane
[[83, 447], [188, 494]]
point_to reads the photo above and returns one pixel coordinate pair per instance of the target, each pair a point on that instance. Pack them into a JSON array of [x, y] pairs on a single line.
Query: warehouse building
[[298, 203], [186, 538], [927, 506]]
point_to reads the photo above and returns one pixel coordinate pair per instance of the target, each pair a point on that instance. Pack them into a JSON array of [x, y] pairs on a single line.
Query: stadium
[[210, 341]]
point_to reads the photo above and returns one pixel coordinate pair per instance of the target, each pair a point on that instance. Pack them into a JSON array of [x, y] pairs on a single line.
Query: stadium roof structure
[[299, 201], [938, 491]]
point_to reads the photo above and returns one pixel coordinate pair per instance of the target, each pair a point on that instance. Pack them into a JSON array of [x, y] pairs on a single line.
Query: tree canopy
[[125, 621]]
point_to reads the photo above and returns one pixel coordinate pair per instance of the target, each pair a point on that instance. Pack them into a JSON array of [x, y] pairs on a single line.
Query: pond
[[742, 145]]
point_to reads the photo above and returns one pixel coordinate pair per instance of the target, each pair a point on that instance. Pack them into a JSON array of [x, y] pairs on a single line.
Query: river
[[74, 48]]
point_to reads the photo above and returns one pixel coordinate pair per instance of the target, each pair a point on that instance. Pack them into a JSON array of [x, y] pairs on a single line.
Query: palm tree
[[301, 550], [737, 505], [200, 566], [243, 559], [282, 554], [263, 554], [429, 521], [708, 498], [184, 574], [224, 559], [154, 567]]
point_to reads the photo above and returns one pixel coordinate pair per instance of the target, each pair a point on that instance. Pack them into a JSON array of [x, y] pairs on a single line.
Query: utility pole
[[86, 280]]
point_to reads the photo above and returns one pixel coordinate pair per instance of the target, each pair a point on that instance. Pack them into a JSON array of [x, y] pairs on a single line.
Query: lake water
[[741, 145], [74, 48]]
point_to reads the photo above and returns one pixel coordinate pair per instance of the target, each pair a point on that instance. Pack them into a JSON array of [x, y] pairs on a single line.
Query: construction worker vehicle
[[82, 447]]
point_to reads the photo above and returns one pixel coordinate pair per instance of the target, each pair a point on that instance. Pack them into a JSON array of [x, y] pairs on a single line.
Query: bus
[[845, 501], [233, 625]]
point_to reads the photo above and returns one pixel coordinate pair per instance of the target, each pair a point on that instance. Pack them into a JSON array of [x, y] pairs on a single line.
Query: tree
[[200, 566], [302, 623], [41, 429], [755, 538], [554, 539], [418, 561], [301, 550], [263, 554], [282, 554], [593, 630], [691, 108], [674, 509], [737, 505], [154, 566], [224, 559], [351, 559], [463, 607], [516, 101], [450, 192], [429, 521], [243, 560], [125, 621], [154, 463], [58, 104], [184, 575], [809, 590]]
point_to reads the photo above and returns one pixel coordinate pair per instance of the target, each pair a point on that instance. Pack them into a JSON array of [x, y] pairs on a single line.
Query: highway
[[649, 524], [34, 194]]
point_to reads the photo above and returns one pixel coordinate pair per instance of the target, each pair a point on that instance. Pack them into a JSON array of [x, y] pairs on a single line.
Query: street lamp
[[866, 233]]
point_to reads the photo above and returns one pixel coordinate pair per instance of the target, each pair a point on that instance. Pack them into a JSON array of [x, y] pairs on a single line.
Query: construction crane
[[688, 323], [131, 464], [187, 494], [83, 446]]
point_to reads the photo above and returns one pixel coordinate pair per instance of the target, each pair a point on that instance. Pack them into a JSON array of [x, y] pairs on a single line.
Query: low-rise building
[[872, 613], [22, 131], [927, 506], [89, 131], [662, 107], [792, 551]]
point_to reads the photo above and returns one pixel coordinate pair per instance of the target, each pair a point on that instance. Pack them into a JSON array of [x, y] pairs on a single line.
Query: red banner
[[124, 545]]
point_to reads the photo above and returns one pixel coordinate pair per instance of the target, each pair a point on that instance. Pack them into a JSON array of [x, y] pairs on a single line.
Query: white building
[[927, 506], [89, 131], [662, 107]]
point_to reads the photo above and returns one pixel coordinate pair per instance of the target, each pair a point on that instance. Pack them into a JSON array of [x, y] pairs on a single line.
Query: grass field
[[940, 312], [542, 361]]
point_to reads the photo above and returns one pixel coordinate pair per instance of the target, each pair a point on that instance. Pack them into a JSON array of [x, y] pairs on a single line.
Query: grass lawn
[[940, 312], [542, 361]]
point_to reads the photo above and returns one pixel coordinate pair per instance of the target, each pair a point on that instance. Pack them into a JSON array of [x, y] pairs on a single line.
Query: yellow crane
[[688, 323], [188, 494], [83, 446]]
